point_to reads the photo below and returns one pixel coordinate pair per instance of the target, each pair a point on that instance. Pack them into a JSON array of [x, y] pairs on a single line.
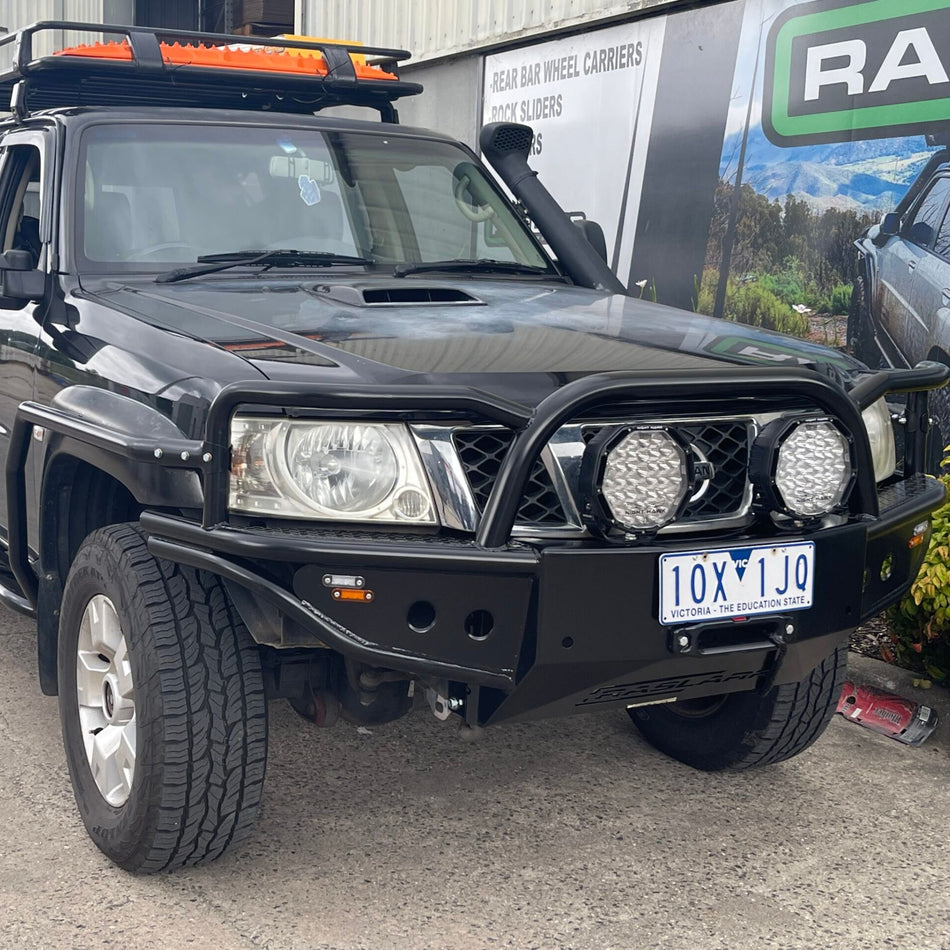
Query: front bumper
[[525, 629], [555, 629]]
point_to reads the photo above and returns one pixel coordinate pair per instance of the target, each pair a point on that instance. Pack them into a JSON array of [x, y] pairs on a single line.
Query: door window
[[921, 226], [20, 204], [942, 244]]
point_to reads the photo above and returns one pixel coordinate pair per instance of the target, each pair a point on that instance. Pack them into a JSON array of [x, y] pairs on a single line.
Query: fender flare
[[131, 421], [132, 442]]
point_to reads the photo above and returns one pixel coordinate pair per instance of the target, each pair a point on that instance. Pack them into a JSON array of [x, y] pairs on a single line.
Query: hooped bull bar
[[533, 429]]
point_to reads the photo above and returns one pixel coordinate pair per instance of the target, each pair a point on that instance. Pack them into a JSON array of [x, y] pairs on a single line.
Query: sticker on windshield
[[309, 190], [287, 145]]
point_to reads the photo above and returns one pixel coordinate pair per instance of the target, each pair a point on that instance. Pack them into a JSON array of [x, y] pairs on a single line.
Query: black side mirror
[[881, 233], [890, 224], [594, 234], [19, 278]]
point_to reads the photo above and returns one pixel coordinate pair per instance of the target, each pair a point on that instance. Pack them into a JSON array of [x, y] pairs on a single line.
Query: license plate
[[735, 582]]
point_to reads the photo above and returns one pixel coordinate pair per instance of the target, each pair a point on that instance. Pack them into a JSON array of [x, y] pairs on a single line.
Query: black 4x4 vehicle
[[299, 406]]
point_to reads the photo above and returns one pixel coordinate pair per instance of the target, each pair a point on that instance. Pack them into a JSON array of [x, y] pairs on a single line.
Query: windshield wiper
[[284, 257], [482, 266]]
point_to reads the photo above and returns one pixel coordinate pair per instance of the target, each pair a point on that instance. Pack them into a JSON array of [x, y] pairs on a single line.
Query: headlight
[[877, 421], [636, 479], [339, 471], [802, 467]]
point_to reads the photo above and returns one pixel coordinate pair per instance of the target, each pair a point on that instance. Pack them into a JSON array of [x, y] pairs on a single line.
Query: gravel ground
[[828, 329]]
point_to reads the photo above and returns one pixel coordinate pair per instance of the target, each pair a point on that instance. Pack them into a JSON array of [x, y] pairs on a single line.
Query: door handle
[[912, 266], [945, 293]]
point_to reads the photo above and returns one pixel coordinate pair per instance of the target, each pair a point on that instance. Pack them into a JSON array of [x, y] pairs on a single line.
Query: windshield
[[154, 195]]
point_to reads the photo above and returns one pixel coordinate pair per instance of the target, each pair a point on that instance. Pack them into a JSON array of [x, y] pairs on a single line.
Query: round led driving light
[[814, 470], [645, 478], [342, 467]]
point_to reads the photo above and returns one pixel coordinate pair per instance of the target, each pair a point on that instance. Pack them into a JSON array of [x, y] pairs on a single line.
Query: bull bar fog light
[[803, 467], [636, 478]]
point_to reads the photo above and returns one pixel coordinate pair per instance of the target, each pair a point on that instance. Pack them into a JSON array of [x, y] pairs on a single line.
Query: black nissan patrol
[[301, 406]]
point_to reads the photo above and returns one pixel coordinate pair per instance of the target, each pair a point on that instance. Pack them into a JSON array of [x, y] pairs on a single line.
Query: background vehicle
[[298, 407], [900, 310]]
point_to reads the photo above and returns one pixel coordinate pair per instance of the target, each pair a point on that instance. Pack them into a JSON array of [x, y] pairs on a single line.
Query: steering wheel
[[481, 213], [144, 253]]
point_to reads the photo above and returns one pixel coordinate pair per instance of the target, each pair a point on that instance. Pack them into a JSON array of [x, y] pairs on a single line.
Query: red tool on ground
[[887, 713]]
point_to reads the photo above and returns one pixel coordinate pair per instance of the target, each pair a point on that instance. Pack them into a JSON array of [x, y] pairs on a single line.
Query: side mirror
[[594, 235], [880, 234], [19, 279], [890, 224]]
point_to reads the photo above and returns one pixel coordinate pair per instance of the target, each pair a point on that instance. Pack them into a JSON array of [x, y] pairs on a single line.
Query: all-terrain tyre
[[746, 730], [162, 706]]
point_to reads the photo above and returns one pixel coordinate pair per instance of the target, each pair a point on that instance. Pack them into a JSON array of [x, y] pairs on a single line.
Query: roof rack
[[139, 66]]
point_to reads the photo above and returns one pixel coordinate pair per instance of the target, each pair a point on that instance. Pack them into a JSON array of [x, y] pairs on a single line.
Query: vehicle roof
[[87, 115]]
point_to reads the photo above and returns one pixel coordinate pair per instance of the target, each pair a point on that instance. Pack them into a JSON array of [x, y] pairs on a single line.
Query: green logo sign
[[871, 69]]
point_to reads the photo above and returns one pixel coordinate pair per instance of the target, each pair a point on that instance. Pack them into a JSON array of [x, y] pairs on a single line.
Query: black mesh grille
[[726, 446], [482, 451]]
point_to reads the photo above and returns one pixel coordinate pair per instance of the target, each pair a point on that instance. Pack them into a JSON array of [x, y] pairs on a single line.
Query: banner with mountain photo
[[825, 130], [734, 151]]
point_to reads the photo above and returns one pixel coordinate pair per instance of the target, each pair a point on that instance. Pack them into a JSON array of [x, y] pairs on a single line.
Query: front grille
[[726, 445], [482, 451], [723, 443]]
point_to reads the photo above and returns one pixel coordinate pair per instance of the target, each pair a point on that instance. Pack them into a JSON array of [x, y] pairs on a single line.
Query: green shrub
[[751, 302], [840, 301], [920, 623], [786, 285], [754, 304]]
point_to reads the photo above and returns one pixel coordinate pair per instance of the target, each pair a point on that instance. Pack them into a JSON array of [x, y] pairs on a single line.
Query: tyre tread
[[749, 729], [800, 714], [207, 787]]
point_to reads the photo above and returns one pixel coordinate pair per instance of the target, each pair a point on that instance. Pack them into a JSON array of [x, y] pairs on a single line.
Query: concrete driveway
[[560, 834]]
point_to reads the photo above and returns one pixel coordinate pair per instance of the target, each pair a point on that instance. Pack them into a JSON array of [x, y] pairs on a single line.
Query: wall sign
[[871, 69]]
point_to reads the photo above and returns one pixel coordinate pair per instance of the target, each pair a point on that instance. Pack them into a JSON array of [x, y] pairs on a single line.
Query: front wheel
[[162, 705], [745, 730]]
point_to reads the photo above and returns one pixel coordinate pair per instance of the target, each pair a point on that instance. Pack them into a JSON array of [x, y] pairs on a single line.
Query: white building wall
[[432, 29]]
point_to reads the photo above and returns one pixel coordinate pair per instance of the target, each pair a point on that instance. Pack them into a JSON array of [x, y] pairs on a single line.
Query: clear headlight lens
[[645, 479], [877, 420], [814, 468], [340, 471]]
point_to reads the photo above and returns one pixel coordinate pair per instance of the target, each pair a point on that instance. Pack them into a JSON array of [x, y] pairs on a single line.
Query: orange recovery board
[[142, 66], [267, 58]]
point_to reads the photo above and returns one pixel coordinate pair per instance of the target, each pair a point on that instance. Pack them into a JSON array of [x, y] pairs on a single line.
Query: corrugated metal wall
[[434, 28], [17, 13]]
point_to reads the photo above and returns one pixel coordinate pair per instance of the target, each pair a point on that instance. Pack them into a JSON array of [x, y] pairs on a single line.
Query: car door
[[904, 313], [932, 293], [24, 225]]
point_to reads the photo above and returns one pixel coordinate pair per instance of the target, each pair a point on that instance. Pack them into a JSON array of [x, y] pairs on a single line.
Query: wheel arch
[[85, 487]]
